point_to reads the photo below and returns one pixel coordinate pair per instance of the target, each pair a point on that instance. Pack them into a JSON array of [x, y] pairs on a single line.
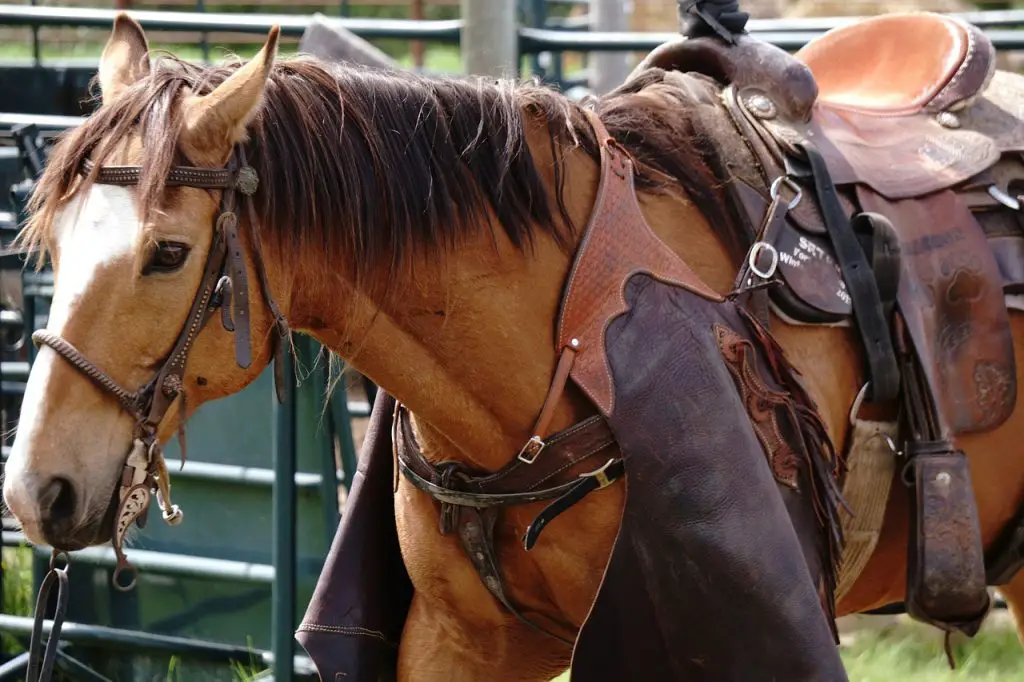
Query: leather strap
[[182, 176], [515, 483], [883, 369], [471, 501], [612, 470]]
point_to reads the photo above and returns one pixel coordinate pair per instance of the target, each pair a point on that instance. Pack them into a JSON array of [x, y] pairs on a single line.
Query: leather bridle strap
[[224, 285], [129, 400], [179, 176]]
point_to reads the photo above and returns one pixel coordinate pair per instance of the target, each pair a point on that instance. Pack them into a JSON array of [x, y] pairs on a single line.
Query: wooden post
[[610, 68], [490, 40]]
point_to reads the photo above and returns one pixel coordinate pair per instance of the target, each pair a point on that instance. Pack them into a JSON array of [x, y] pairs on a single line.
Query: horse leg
[[439, 644]]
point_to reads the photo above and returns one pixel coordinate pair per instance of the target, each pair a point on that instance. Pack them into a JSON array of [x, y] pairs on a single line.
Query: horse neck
[[468, 347]]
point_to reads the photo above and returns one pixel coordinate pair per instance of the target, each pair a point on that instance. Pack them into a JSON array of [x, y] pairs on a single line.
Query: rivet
[[948, 119], [943, 478], [760, 106]]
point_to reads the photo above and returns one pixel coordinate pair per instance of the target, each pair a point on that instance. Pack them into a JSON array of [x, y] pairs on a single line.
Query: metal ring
[[1003, 198], [755, 251], [118, 570], [791, 183]]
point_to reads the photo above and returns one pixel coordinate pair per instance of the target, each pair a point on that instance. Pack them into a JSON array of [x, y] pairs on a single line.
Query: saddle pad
[[871, 464], [951, 297]]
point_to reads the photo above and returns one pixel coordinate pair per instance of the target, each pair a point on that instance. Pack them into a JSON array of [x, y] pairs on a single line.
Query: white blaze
[[97, 228]]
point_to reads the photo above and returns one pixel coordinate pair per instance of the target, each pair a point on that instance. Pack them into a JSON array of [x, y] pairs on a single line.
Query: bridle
[[225, 286]]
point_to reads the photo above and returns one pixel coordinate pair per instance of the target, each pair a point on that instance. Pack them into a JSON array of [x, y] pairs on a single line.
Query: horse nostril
[[57, 501]]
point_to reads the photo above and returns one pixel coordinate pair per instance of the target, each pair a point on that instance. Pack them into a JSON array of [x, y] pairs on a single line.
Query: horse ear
[[217, 121], [125, 59]]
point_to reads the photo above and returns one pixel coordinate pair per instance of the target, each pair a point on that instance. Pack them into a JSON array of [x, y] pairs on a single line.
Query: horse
[[423, 229]]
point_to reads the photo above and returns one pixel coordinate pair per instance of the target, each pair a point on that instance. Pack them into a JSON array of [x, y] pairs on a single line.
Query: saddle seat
[[900, 64]]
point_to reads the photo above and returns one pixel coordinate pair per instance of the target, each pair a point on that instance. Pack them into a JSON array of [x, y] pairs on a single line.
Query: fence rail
[[1004, 28]]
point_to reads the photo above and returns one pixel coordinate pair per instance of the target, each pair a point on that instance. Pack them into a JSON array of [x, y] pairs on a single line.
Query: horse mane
[[413, 163]]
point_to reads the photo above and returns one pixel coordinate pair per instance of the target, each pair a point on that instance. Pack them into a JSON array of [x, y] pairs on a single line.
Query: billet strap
[[872, 325]]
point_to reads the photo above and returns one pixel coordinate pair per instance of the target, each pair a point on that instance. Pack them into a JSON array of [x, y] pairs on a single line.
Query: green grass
[[17, 588], [911, 652]]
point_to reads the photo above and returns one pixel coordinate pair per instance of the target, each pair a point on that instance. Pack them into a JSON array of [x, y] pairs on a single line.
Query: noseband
[[224, 286]]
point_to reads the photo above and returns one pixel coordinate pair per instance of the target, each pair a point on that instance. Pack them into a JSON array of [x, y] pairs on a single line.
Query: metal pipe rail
[[983, 19], [786, 33], [291, 24], [534, 40], [98, 636]]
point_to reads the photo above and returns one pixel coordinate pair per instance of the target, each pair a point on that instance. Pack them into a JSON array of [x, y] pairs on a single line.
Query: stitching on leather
[[972, 46], [344, 630], [590, 453], [918, 104]]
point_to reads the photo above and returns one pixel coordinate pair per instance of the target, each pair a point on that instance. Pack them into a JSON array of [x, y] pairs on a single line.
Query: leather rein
[[224, 286]]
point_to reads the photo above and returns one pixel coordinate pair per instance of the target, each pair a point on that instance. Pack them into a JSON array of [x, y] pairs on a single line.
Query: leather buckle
[[530, 451]]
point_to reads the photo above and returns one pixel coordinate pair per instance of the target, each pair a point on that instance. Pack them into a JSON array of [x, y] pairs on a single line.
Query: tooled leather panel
[[974, 73], [951, 296], [618, 244], [761, 403]]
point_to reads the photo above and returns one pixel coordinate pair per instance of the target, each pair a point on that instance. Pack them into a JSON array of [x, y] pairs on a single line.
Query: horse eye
[[166, 257]]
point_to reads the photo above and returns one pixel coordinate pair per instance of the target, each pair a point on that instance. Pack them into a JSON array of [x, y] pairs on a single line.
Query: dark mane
[[412, 163]]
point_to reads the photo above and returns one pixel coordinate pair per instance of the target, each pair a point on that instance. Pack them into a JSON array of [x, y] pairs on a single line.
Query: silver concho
[[760, 106], [246, 181]]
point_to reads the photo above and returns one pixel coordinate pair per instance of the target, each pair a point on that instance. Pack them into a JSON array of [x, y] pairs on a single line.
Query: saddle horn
[[715, 43]]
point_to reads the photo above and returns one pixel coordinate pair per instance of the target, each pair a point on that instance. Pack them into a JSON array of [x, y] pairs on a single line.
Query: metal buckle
[[755, 251], [603, 481], [533, 447]]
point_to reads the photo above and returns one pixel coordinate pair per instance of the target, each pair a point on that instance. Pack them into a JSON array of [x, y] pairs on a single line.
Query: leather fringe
[[825, 466]]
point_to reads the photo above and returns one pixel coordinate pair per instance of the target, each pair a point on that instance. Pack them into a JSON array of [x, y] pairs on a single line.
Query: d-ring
[[790, 183]]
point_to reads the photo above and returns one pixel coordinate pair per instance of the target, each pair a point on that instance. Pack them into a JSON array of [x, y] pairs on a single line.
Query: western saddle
[[862, 66], [888, 199]]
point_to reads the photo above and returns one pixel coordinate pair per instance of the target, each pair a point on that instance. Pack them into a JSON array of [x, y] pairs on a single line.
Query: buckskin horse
[[689, 288]]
